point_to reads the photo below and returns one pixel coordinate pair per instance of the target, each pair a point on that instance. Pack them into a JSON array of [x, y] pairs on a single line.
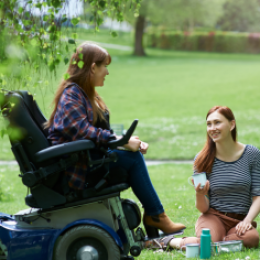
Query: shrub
[[226, 42]]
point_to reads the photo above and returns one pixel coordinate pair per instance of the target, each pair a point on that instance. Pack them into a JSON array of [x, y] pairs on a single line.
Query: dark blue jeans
[[139, 180]]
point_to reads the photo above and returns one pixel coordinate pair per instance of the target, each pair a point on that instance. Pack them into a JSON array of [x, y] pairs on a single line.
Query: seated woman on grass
[[230, 200]]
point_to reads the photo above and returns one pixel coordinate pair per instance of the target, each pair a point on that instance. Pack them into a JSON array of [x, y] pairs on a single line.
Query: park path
[[148, 162]]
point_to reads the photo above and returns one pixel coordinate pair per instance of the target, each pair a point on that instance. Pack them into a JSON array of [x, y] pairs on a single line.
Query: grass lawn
[[171, 183], [170, 92]]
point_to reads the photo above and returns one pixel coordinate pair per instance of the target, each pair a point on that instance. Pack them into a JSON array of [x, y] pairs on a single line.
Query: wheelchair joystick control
[[125, 138]]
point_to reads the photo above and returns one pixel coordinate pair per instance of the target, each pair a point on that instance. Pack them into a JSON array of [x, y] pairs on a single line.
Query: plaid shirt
[[73, 121]]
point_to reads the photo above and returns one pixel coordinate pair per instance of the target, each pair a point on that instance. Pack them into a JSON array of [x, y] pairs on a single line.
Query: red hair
[[205, 158], [89, 53]]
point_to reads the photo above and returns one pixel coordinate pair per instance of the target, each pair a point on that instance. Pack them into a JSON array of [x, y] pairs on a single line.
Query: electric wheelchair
[[64, 224]]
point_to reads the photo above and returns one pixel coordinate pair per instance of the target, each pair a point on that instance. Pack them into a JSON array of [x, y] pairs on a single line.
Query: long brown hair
[[88, 53], [205, 158]]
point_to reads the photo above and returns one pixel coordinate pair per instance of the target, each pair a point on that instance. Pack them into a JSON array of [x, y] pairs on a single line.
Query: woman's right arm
[[202, 200]]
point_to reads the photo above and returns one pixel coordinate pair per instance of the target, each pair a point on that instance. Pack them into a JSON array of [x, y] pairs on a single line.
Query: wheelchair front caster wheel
[[135, 250]]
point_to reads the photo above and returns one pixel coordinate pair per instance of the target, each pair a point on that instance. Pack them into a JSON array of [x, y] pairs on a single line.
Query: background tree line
[[196, 15]]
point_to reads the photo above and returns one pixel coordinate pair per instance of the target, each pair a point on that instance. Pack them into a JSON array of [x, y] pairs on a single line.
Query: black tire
[[86, 235]]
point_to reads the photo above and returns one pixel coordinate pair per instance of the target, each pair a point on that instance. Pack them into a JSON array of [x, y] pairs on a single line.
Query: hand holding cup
[[200, 183], [202, 190]]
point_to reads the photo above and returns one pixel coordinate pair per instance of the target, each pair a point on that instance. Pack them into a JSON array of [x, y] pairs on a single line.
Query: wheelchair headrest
[[34, 110], [25, 119]]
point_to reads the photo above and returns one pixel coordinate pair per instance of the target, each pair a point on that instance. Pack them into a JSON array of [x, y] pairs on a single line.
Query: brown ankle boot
[[162, 222]]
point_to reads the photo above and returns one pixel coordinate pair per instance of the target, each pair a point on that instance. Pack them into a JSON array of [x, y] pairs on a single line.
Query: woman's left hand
[[144, 147], [243, 226], [246, 224]]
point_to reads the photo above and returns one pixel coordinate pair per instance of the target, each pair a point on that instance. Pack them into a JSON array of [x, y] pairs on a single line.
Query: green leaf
[[71, 41], [27, 22], [56, 3], [39, 5], [67, 48], [18, 27], [51, 29], [120, 17], [80, 64], [45, 18], [66, 60], [102, 4], [20, 10], [99, 21], [57, 61], [15, 133], [75, 21], [54, 37], [114, 34], [81, 56], [66, 76], [3, 132], [51, 65], [75, 36], [63, 20]]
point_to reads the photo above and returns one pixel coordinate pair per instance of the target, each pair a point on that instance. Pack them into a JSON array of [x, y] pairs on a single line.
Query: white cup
[[198, 178], [192, 250]]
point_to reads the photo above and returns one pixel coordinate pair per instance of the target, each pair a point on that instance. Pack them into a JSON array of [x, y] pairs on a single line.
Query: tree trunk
[[139, 31]]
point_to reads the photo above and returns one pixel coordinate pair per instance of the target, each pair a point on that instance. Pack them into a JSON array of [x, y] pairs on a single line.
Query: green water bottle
[[205, 244]]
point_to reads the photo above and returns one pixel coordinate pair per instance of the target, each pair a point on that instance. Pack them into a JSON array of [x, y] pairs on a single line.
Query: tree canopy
[[31, 35], [240, 15]]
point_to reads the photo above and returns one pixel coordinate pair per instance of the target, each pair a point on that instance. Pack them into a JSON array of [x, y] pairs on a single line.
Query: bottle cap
[[205, 231]]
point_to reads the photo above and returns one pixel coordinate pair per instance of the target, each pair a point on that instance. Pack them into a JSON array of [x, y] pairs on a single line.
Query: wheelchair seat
[[42, 165]]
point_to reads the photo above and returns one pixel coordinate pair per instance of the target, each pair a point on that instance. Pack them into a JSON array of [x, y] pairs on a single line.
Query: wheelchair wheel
[[86, 242]]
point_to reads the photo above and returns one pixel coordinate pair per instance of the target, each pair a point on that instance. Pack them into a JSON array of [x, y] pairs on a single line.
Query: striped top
[[233, 184]]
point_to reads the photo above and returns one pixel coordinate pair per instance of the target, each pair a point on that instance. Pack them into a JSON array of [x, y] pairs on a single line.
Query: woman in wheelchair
[[80, 113]]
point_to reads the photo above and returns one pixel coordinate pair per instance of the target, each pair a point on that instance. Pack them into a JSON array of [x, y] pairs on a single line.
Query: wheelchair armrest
[[62, 149]]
